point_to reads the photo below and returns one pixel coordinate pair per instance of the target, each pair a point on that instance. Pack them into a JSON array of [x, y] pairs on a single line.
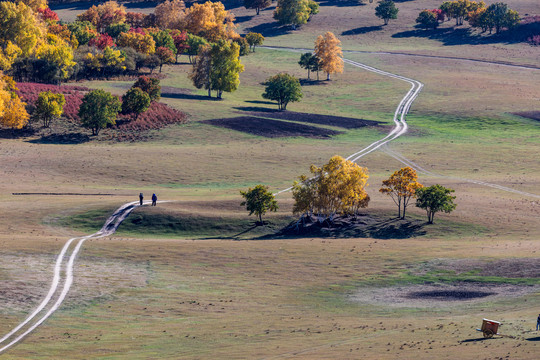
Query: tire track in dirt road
[[400, 122], [72, 247]]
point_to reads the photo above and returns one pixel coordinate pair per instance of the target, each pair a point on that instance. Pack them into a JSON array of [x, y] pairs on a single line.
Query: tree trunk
[[257, 9], [308, 74], [209, 92], [328, 76], [260, 219]]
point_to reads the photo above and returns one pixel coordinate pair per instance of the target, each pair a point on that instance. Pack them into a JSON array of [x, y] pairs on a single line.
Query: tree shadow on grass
[[360, 226], [271, 29], [475, 340], [342, 3], [62, 139], [450, 36], [16, 133], [188, 97], [533, 339], [362, 30], [260, 102], [241, 19], [256, 109], [312, 82]]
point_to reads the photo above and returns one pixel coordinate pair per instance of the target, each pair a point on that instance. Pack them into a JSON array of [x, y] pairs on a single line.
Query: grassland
[[183, 290]]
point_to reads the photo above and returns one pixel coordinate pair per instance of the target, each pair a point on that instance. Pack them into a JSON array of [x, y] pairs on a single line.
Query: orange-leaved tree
[[104, 15], [328, 50], [170, 14], [401, 186], [211, 21]]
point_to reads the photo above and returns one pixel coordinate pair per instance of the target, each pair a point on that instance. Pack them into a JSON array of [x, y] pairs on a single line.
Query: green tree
[[116, 29], [258, 201], [434, 199], [150, 86], [254, 39], [49, 106], [386, 10], [98, 110], [292, 12], [163, 38], [499, 16], [305, 62], [194, 42], [401, 186], [135, 101], [257, 4], [427, 20], [200, 73], [226, 67], [84, 31], [283, 88]]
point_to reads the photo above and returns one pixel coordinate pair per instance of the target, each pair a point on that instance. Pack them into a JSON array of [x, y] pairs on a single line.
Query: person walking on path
[[141, 197], [538, 323], [154, 199]]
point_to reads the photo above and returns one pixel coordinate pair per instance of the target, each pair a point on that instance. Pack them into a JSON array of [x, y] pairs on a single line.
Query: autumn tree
[[434, 199], [165, 56], [36, 5], [20, 27], [401, 186], [427, 20], [8, 54], [48, 15], [337, 187], [135, 20], [211, 21], [170, 14], [328, 51], [258, 201], [63, 32], [59, 55], [254, 39], [142, 43], [180, 39], [49, 106], [386, 10], [292, 12], [459, 9], [257, 4], [150, 86], [12, 110], [104, 15], [135, 101], [102, 41], [283, 88], [98, 110]]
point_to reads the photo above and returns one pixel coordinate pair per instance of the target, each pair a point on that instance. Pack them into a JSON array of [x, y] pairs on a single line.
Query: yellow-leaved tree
[[20, 27], [211, 21], [170, 14], [12, 110], [401, 186], [328, 50], [337, 187]]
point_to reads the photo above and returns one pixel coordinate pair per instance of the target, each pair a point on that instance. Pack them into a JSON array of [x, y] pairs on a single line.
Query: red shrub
[[534, 40], [102, 41], [48, 14]]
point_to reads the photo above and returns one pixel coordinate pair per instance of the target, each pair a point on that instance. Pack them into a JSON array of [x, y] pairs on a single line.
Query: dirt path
[[65, 260], [400, 122]]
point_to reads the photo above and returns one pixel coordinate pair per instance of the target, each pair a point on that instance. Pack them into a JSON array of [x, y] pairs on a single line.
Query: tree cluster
[[496, 16], [295, 12]]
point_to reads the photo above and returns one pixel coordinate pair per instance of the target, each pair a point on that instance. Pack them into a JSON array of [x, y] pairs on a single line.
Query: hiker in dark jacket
[[154, 199], [141, 197]]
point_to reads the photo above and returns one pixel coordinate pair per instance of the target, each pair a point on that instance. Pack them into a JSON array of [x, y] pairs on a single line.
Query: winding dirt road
[[62, 280]]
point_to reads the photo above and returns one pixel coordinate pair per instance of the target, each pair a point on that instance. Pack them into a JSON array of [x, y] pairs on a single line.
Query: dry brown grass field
[[229, 294]]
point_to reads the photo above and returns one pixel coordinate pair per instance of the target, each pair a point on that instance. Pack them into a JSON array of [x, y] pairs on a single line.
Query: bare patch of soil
[[339, 121], [434, 295], [271, 128], [360, 226]]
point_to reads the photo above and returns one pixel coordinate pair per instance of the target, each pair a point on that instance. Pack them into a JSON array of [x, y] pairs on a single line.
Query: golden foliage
[[170, 14], [401, 186], [336, 187], [144, 44], [329, 52], [211, 21], [14, 113], [21, 27], [104, 15]]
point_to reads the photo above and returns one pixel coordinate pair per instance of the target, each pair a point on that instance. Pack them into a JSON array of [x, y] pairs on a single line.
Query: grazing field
[[194, 278]]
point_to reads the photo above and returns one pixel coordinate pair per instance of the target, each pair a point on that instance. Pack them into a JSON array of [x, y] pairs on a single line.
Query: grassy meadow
[[193, 278]]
